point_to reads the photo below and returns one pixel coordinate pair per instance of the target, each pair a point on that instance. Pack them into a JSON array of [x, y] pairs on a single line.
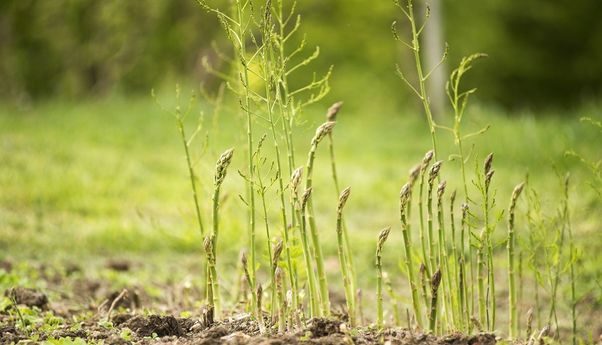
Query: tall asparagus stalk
[[486, 297], [435, 281], [466, 258], [423, 75], [281, 304], [572, 257], [259, 298], [448, 300], [404, 199], [268, 55], [276, 252], [457, 269], [345, 269], [426, 161], [331, 116], [513, 321], [314, 309], [212, 287], [221, 169], [481, 265], [491, 306], [321, 132], [245, 267], [433, 173], [382, 238]]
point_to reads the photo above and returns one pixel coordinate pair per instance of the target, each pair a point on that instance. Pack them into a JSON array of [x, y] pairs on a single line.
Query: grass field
[[99, 180]]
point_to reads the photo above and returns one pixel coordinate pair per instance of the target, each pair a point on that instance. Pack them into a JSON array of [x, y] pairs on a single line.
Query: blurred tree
[[79, 47], [434, 49], [542, 53]]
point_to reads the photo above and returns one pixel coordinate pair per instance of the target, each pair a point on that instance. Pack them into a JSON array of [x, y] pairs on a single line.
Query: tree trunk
[[433, 51]]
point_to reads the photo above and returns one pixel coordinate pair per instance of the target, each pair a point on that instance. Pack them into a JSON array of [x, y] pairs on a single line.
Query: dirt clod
[[145, 326], [119, 265], [6, 265], [69, 333], [482, 339], [72, 268], [320, 327], [217, 332], [28, 297]]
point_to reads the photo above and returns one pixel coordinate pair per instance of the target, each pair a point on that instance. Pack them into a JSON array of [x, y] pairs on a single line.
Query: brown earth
[[155, 329], [97, 311], [238, 329]]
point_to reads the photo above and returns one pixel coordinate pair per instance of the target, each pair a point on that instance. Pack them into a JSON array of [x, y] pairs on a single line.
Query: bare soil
[[95, 312]]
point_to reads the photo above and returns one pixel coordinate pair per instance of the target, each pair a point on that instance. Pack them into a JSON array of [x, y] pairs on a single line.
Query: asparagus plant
[[382, 238], [345, 269], [404, 197], [221, 168], [321, 132], [513, 321]]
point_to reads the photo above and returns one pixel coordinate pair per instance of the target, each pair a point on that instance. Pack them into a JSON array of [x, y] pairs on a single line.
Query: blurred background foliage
[[542, 54]]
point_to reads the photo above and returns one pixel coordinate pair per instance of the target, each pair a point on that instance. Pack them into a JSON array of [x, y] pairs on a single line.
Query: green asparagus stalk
[[404, 199], [382, 237], [345, 270], [321, 132], [435, 282], [513, 321]]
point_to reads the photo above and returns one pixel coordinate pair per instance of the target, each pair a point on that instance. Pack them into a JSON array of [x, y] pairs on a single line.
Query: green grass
[[109, 178], [110, 171]]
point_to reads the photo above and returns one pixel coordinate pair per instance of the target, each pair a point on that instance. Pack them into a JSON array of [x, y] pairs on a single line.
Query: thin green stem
[[313, 297], [456, 283], [466, 259], [379, 296], [191, 175], [433, 174], [246, 101], [423, 241], [220, 174], [572, 258], [421, 79], [481, 279], [394, 298], [345, 271], [280, 301], [267, 68], [321, 132], [435, 281], [212, 279], [488, 242], [245, 267], [346, 243], [448, 299], [268, 239], [407, 245], [382, 238], [513, 320]]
